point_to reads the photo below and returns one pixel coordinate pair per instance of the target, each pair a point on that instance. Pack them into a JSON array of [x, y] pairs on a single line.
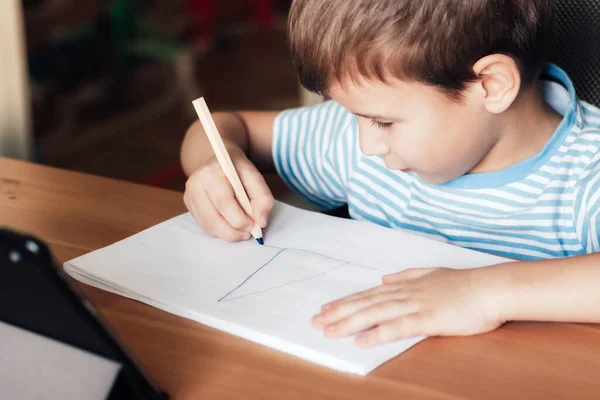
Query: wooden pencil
[[225, 162]]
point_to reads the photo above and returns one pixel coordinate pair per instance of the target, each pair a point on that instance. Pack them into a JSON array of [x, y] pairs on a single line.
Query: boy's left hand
[[414, 302]]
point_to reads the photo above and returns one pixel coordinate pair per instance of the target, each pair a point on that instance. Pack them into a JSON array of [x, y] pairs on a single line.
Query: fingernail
[[263, 222], [317, 322], [331, 328], [327, 307]]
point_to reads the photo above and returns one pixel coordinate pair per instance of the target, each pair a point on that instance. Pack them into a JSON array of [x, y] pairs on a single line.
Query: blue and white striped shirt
[[546, 206]]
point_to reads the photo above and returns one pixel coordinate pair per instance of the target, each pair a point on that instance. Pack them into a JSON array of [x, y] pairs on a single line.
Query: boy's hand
[[210, 198], [415, 302]]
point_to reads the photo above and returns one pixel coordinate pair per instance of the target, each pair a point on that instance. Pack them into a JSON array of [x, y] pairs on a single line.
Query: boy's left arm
[[444, 302]]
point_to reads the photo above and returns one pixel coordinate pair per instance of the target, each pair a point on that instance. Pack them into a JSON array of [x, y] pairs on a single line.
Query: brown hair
[[435, 42]]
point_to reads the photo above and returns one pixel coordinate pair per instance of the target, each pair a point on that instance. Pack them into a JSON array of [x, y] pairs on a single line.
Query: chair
[[576, 45]]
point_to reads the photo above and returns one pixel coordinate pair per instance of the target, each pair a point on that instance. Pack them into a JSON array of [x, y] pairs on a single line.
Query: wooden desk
[[77, 213]]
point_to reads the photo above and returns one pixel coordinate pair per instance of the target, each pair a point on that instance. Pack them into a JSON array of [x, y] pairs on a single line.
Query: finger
[[407, 274], [192, 209], [407, 326], [199, 206], [369, 317], [189, 205], [190, 201], [261, 208], [201, 210], [356, 296], [193, 198], [348, 308], [261, 198], [216, 224], [223, 198]]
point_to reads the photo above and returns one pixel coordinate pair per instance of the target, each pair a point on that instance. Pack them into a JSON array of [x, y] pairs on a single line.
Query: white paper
[[268, 294], [35, 367]]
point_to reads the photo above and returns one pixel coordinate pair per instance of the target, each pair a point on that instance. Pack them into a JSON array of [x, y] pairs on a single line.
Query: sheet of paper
[[36, 367], [268, 294]]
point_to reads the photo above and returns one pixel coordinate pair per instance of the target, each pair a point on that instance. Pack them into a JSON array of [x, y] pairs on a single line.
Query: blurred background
[[104, 86]]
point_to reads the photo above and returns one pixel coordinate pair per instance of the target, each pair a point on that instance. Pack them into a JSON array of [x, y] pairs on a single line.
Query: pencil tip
[[260, 241]]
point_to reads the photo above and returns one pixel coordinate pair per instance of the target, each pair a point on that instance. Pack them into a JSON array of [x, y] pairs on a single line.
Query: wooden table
[[78, 213]]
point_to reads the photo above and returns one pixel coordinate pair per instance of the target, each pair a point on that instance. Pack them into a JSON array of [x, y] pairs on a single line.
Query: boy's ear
[[499, 81]]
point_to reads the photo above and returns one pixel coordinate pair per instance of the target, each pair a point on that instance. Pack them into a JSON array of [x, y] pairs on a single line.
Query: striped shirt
[[546, 206]]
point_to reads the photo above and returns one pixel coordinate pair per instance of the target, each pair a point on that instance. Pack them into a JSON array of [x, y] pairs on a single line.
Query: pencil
[[224, 160]]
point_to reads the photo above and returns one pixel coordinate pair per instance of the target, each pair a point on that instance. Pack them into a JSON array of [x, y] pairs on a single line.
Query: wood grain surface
[[76, 213]]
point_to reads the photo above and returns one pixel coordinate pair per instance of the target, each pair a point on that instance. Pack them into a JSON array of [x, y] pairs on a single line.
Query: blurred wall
[[15, 125]]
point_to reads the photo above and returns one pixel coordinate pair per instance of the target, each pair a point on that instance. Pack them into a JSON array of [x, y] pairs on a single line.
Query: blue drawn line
[[288, 283], [322, 255], [254, 273]]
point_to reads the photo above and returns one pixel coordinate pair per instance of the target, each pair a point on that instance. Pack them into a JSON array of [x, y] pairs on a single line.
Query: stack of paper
[[268, 294]]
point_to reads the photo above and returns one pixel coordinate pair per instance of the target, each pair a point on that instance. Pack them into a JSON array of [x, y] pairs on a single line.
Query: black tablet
[[42, 314]]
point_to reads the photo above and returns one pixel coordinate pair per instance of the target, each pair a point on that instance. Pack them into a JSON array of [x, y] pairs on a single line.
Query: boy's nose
[[373, 144]]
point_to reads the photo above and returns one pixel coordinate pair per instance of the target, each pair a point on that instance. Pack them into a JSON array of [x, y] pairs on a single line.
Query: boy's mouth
[[406, 170]]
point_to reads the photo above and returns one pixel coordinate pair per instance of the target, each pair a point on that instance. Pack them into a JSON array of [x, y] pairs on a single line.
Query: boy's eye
[[381, 125]]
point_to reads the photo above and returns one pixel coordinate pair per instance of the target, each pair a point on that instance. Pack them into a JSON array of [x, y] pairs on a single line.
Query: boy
[[446, 123]]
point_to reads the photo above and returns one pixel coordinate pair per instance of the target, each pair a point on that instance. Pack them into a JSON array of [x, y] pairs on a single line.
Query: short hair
[[435, 42]]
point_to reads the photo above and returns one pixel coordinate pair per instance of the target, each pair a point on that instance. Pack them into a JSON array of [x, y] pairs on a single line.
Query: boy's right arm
[[209, 197]]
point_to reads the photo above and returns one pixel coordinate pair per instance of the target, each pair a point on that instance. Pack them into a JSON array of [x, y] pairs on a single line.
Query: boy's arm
[[566, 289], [448, 302], [252, 132], [313, 149]]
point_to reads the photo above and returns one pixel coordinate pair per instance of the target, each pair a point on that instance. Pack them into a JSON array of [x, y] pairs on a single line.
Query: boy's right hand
[[210, 198]]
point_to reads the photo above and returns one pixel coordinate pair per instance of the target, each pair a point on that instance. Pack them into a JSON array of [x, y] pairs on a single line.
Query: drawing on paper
[[286, 267]]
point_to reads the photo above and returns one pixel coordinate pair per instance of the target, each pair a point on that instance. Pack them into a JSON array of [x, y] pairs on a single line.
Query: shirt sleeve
[[314, 150]]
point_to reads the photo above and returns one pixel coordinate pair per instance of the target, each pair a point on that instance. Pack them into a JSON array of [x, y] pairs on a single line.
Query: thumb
[[261, 198], [261, 208]]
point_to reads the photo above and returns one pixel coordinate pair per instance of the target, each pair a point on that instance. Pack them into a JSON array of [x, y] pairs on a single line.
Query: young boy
[[446, 123]]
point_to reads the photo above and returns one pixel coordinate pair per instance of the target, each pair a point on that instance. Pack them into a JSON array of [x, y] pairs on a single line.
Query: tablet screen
[[42, 308]]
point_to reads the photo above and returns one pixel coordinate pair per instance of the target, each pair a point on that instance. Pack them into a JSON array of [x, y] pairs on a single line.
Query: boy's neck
[[526, 128]]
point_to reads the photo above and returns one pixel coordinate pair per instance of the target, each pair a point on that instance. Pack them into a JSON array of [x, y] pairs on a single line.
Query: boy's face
[[414, 127]]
